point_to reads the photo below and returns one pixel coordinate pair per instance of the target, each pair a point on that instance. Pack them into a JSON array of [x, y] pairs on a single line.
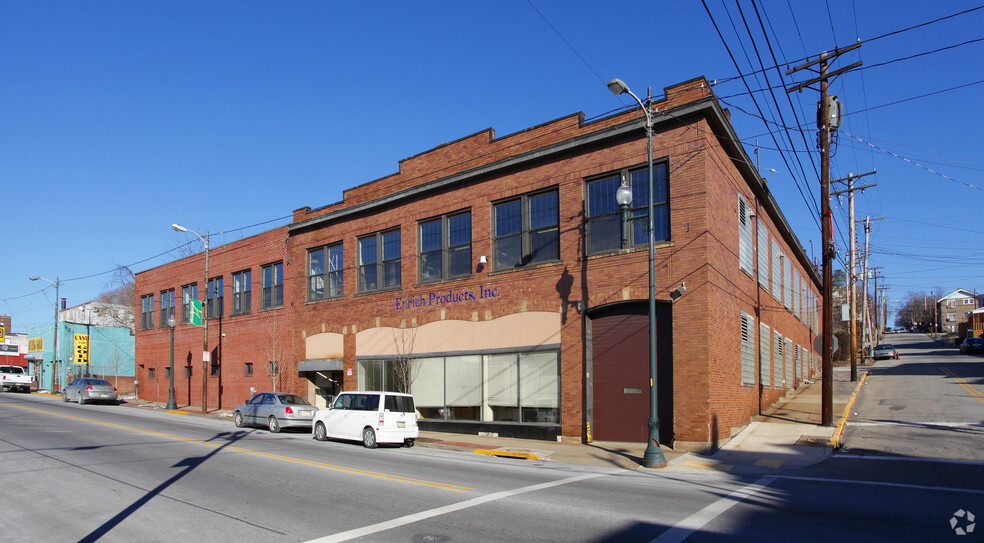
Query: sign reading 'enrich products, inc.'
[[445, 298]]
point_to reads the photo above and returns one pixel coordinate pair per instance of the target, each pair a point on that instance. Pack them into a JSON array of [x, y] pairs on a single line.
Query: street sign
[[3, 332], [196, 312], [35, 345]]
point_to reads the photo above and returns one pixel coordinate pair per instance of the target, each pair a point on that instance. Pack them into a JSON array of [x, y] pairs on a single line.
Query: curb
[[508, 454], [835, 440]]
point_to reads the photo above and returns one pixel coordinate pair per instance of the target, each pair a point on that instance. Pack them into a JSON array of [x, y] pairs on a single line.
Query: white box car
[[369, 417]]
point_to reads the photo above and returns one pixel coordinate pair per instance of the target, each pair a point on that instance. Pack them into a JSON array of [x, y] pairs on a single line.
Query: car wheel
[[81, 399], [238, 419], [320, 432], [369, 438], [64, 397], [273, 424], [408, 442]]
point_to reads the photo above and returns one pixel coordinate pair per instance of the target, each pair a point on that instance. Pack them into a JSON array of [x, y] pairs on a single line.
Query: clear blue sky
[[118, 119]]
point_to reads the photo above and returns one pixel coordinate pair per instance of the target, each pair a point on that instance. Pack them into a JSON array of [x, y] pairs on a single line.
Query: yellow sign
[[35, 345], [3, 332], [81, 348]]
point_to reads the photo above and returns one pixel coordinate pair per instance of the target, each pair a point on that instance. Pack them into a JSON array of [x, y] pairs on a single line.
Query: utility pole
[[852, 267], [825, 120]]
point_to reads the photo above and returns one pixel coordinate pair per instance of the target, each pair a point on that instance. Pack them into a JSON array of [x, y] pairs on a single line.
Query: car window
[[344, 401], [98, 382], [11, 369], [292, 399], [399, 404]]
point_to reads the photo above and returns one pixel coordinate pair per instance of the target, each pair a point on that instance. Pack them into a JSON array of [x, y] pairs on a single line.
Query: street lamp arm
[[617, 86], [179, 228]]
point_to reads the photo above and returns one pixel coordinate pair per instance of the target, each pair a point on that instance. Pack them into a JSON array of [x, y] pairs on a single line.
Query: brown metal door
[[620, 374]]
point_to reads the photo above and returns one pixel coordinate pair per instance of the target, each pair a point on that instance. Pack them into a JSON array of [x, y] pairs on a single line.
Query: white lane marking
[[424, 515], [879, 483], [683, 529], [907, 423]]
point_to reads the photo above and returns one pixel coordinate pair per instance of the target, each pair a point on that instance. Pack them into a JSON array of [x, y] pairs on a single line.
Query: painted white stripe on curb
[[424, 515], [683, 529]]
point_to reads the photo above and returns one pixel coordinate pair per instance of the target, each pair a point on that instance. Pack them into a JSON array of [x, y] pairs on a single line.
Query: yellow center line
[[973, 391], [312, 463]]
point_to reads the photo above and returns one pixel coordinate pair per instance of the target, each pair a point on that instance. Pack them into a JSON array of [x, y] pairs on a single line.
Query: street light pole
[[54, 351], [171, 404], [653, 457], [205, 356]]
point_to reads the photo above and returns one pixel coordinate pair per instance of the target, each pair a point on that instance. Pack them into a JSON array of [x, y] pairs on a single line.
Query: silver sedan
[[275, 410], [87, 389]]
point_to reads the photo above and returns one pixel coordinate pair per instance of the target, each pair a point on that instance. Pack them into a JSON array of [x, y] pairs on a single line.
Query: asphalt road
[[110, 473]]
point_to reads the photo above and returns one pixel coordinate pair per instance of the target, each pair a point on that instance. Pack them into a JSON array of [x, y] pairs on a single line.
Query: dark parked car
[[972, 345], [275, 410]]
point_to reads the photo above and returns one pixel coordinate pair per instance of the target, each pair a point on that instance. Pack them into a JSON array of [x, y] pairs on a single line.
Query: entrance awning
[[321, 364]]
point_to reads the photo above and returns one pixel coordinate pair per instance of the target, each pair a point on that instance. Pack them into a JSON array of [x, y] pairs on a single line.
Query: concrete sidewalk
[[788, 436]]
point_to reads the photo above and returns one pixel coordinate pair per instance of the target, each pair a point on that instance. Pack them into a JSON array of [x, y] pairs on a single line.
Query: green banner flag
[[196, 313]]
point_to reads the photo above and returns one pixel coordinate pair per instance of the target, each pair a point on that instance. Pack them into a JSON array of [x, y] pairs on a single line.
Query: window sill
[[433, 282], [635, 249], [379, 291], [526, 268]]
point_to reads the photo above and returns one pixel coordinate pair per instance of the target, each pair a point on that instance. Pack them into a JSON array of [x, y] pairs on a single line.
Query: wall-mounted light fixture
[[677, 292], [483, 259]]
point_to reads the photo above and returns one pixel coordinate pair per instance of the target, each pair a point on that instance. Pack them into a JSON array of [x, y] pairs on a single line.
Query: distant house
[[955, 308]]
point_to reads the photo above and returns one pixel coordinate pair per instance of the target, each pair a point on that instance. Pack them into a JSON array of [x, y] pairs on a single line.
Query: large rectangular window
[[747, 341], [188, 293], [604, 218], [763, 255], [379, 261], [146, 311], [324, 272], [241, 291], [214, 294], [273, 285], [776, 272], [445, 247], [765, 355], [745, 247], [513, 387], [526, 230], [167, 306]]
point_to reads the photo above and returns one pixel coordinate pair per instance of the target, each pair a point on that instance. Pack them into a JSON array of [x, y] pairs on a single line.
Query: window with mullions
[[445, 247], [167, 306], [526, 230], [147, 312], [273, 285], [241, 292], [324, 272], [379, 261], [188, 293], [604, 224], [214, 294]]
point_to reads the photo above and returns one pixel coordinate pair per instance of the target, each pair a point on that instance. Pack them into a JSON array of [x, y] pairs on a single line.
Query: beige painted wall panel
[[324, 345]]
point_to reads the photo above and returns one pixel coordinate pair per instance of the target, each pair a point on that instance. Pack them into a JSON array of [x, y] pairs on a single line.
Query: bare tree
[[121, 292], [404, 371]]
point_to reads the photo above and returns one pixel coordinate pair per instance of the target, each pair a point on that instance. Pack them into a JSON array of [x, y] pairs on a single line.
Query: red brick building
[[249, 324], [495, 279]]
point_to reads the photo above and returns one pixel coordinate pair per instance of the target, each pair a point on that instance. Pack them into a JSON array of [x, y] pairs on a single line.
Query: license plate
[[401, 424], [305, 413]]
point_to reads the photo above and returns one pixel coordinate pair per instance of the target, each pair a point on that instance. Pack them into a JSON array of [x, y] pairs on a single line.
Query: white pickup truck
[[15, 378]]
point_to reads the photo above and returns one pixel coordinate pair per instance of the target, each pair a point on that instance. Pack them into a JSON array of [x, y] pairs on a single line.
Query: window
[[241, 291], [604, 224], [776, 272], [779, 355], [797, 285], [511, 387], [273, 285], [763, 255], [747, 339], [445, 247], [214, 369], [950, 317], [325, 272], [147, 312], [765, 355], [787, 360], [150, 373], [951, 303], [968, 301], [527, 230], [167, 372], [248, 370], [187, 371], [745, 258], [379, 261], [167, 306], [188, 293], [214, 293], [787, 282]]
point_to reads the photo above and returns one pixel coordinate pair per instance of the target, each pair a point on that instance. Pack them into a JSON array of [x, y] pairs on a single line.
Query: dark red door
[[620, 372]]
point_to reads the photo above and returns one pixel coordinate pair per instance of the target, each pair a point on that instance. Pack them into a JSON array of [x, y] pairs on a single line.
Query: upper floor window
[[214, 294], [968, 301], [146, 311], [241, 291], [324, 273], [188, 293], [273, 285], [167, 306], [526, 230], [604, 218], [379, 261], [445, 247]]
